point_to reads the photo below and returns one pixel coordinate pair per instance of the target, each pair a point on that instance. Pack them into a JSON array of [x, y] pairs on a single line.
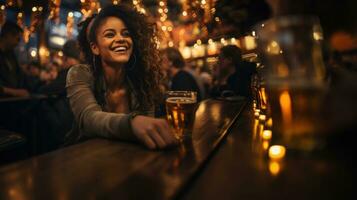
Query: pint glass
[[294, 72], [180, 111]]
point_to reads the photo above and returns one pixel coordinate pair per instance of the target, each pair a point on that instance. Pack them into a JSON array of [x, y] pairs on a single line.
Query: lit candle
[[262, 117], [267, 134], [277, 152]]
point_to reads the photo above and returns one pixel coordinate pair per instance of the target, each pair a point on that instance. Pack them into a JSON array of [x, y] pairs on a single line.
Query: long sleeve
[[92, 120]]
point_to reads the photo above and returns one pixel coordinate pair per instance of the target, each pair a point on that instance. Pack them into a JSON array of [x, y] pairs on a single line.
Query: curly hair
[[83, 39], [143, 66]]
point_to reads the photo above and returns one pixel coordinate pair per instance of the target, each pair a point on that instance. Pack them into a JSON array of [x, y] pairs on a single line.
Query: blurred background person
[[56, 113], [71, 56], [180, 75], [233, 74], [33, 71], [12, 78]]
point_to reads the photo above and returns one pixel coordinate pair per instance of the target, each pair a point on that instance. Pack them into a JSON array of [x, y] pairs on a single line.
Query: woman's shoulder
[[79, 72], [82, 68]]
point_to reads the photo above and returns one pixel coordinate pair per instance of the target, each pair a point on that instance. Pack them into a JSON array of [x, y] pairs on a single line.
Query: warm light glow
[[255, 129], [263, 98], [40, 8], [212, 48], [166, 10], [256, 113], [217, 19], [265, 145], [267, 134], [2, 7], [277, 152], [171, 44], [274, 168], [169, 28], [203, 2], [269, 123], [160, 10], [70, 14], [249, 42], [263, 25], [34, 9], [186, 52], [233, 41], [223, 41], [184, 13], [317, 36], [19, 14], [199, 42], [161, 3], [285, 105], [33, 53], [115, 2], [253, 33], [164, 28], [273, 48], [42, 51], [262, 117], [135, 2], [57, 40], [60, 53]]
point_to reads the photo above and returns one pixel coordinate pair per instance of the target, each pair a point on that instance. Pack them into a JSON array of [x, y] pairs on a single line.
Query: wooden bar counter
[[219, 162]]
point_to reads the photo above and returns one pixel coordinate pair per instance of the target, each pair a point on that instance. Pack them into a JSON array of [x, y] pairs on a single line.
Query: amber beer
[[180, 111], [296, 113]]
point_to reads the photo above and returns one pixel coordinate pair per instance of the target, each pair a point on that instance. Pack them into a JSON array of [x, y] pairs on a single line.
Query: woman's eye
[[109, 35], [126, 33]]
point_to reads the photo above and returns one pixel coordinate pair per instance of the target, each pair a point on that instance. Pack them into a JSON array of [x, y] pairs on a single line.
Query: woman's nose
[[119, 38]]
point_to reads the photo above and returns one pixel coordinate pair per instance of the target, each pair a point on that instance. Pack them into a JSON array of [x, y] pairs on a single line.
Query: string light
[[70, 24], [164, 24], [89, 7], [10, 3], [139, 6], [20, 20], [2, 14], [54, 6]]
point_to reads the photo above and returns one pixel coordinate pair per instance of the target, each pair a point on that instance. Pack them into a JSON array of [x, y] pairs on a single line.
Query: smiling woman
[[113, 43], [115, 95]]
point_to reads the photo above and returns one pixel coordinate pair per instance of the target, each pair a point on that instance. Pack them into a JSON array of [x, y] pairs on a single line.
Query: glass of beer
[[180, 111], [294, 73]]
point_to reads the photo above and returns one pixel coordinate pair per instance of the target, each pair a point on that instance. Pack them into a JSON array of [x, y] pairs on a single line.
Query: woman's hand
[[154, 133]]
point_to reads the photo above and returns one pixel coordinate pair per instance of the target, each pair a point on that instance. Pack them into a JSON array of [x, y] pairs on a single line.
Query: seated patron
[[12, 79], [182, 78], [233, 74], [114, 95]]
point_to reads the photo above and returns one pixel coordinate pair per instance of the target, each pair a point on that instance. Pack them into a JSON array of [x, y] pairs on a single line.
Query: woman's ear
[[94, 48]]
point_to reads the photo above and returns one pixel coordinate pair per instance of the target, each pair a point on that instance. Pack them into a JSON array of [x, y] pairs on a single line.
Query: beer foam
[[181, 100]]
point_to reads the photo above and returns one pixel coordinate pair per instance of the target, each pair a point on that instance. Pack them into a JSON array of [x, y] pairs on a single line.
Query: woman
[[114, 96]]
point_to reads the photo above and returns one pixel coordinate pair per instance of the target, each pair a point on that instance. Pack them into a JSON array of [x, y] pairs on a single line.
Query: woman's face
[[113, 42]]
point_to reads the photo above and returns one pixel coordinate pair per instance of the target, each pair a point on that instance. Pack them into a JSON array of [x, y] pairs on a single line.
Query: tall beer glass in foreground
[[290, 49], [180, 111]]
